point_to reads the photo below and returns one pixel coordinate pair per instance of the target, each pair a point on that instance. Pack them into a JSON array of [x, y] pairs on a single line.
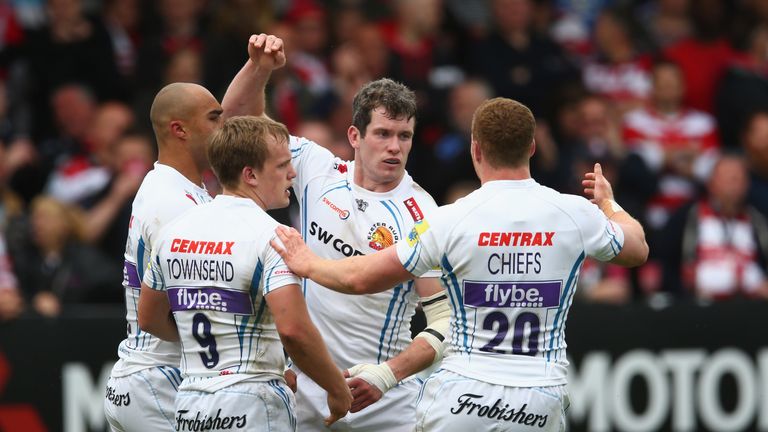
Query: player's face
[[276, 176], [206, 119], [381, 155]]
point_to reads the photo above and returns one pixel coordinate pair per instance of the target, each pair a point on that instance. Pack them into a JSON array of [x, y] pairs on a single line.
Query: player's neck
[[506, 173], [369, 184], [182, 163], [242, 192]]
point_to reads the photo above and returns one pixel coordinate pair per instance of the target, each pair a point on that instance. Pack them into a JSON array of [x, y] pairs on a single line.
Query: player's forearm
[[307, 350], [245, 94], [164, 328], [338, 275], [415, 358], [635, 250], [367, 274], [154, 314]]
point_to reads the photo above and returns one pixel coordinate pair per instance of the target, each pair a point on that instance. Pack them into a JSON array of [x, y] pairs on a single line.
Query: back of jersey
[[217, 275], [510, 253]]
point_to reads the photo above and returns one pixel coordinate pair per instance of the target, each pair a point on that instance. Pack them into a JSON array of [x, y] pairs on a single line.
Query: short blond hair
[[242, 142]]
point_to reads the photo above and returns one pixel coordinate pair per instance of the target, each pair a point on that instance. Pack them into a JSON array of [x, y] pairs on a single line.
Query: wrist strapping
[[380, 375]]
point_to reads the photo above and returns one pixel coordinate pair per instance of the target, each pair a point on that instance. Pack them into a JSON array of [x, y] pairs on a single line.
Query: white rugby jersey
[[510, 254], [217, 266], [164, 194], [340, 219]]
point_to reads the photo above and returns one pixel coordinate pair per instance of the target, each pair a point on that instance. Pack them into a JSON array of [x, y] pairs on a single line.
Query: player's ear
[[474, 150], [533, 148], [177, 129], [354, 135], [249, 176]]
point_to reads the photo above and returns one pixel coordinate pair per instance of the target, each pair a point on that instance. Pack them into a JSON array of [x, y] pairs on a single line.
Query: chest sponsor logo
[[215, 299], [472, 404], [413, 209], [325, 237], [343, 214], [512, 294], [382, 236], [516, 238]]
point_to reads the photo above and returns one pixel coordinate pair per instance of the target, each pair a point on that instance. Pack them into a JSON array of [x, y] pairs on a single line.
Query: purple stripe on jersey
[[215, 299], [512, 294], [131, 276]]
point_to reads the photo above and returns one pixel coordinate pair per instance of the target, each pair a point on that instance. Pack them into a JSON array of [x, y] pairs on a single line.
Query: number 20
[[518, 333], [205, 339]]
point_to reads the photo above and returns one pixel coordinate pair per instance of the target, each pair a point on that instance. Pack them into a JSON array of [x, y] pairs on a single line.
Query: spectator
[[451, 153], [11, 301], [665, 21], [671, 147], [58, 268], [671, 150], [617, 72], [744, 87], [704, 56], [108, 218], [717, 247], [517, 62], [78, 49], [80, 177], [755, 142], [232, 22]]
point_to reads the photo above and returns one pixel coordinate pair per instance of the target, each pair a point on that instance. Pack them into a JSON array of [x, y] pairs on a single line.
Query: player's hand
[[368, 383], [338, 405], [290, 379], [267, 51], [596, 187], [293, 250]]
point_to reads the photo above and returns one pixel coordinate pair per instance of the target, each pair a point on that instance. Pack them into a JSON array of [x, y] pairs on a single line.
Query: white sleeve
[[276, 274], [419, 252], [603, 238], [153, 275], [307, 158]]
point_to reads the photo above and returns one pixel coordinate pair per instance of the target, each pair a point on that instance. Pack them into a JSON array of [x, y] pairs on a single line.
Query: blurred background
[[670, 96]]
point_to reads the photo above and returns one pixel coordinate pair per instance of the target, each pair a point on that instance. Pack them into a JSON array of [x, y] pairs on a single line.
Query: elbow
[[292, 336], [355, 283], [146, 325]]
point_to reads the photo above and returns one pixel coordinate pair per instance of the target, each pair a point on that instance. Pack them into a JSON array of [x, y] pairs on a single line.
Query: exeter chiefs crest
[[382, 236]]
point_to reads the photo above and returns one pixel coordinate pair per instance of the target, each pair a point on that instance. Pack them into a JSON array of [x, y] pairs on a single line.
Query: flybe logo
[[516, 238], [201, 247], [209, 298]]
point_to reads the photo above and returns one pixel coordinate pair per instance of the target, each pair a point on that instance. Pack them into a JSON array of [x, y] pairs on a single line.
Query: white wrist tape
[[379, 375], [438, 315]]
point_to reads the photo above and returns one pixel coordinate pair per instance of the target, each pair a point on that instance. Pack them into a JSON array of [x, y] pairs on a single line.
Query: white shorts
[[266, 406], [142, 401], [452, 402], [394, 412]]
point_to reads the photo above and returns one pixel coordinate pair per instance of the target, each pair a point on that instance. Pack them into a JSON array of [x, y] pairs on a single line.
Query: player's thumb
[[331, 419]]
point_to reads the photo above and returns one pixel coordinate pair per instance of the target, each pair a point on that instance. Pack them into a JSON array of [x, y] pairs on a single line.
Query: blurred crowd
[[670, 96]]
